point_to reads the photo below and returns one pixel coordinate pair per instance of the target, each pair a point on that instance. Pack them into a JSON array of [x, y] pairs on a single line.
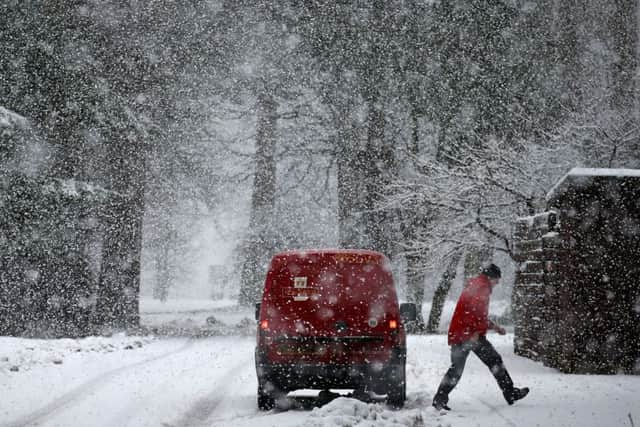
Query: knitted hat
[[492, 271]]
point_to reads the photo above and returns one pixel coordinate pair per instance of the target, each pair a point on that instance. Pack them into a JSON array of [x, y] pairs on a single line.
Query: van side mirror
[[408, 312], [257, 311]]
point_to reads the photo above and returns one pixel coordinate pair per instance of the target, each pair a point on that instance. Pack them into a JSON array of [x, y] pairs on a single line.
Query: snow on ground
[[196, 317], [186, 381]]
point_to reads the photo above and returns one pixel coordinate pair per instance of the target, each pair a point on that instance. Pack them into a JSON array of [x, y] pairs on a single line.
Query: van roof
[[303, 253], [357, 256]]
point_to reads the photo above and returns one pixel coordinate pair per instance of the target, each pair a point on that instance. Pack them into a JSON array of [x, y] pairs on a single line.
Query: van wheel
[[267, 395], [397, 387], [266, 402]]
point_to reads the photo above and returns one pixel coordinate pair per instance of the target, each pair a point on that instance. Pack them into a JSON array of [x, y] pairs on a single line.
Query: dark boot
[[516, 394], [440, 405], [440, 400]]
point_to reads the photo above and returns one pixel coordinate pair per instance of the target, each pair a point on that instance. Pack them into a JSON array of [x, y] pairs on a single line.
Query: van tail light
[[393, 324], [264, 325]]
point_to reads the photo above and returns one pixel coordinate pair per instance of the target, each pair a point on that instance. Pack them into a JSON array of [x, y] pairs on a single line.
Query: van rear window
[[351, 282]]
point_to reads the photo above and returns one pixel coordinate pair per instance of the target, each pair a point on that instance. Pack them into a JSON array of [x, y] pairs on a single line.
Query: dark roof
[[584, 176]]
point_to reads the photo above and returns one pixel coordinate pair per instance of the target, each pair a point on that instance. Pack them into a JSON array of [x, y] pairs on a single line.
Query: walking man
[[467, 332]]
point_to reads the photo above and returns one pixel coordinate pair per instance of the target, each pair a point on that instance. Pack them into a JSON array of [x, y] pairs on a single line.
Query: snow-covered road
[[181, 382], [144, 381]]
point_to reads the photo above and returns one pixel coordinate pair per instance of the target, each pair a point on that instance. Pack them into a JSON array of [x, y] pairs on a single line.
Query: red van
[[330, 319]]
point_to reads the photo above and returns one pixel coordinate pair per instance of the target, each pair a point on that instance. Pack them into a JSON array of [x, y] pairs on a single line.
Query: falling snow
[[154, 156]]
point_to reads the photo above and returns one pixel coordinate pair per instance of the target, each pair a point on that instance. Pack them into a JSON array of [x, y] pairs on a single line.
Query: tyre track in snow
[[201, 411], [82, 390]]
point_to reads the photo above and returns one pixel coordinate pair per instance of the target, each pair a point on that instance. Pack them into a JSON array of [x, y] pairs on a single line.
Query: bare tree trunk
[[415, 289], [414, 144], [164, 267], [379, 163], [375, 219], [410, 224], [624, 27], [259, 247], [440, 295], [117, 304], [349, 159], [567, 51]]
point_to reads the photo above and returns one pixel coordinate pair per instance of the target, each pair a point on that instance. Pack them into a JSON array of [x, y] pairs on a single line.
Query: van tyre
[[267, 395], [397, 387], [266, 402]]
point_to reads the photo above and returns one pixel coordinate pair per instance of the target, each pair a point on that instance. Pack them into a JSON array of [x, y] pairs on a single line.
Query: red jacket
[[472, 311]]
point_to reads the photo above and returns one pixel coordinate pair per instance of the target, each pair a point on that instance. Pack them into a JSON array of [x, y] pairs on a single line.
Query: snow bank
[[182, 305], [196, 317], [351, 412], [20, 354]]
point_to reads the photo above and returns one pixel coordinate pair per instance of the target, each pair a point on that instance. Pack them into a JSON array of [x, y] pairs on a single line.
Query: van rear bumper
[[288, 377]]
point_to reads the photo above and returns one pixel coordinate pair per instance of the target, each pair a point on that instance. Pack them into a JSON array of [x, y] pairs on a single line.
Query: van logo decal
[[354, 258], [300, 294], [373, 322], [299, 282]]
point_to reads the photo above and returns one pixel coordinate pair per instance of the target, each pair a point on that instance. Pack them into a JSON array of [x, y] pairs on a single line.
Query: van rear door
[[335, 307]]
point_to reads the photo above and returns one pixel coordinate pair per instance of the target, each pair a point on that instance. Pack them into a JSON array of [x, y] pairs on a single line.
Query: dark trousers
[[485, 352]]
